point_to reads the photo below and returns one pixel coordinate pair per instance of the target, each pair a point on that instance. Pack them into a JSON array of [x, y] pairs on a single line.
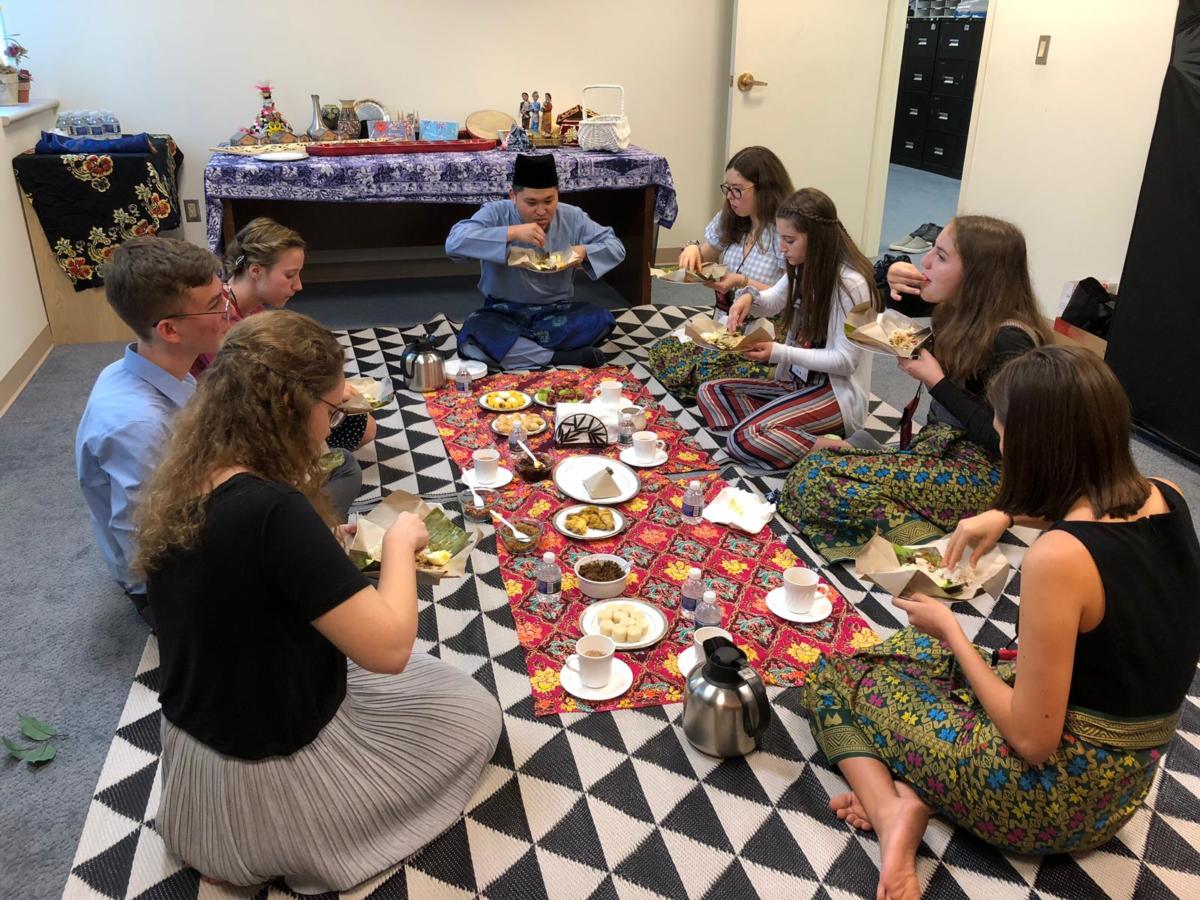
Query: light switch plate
[[191, 210], [1043, 50]]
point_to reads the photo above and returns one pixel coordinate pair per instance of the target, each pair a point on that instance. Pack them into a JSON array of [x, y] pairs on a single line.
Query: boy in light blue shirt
[[168, 291]]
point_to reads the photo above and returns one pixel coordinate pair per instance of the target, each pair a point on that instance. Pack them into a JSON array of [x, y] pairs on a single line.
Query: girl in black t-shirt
[[277, 760]]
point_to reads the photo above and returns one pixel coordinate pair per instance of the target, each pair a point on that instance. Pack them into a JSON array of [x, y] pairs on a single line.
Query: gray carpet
[[914, 197], [72, 640]]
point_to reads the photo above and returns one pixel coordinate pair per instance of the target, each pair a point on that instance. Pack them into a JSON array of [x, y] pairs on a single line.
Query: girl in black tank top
[[1055, 753]]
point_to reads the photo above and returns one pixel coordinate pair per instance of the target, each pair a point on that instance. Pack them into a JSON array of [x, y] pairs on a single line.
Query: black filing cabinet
[[937, 84]]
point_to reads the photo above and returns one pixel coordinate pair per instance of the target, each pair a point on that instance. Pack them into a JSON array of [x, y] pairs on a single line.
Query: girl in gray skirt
[[278, 758]]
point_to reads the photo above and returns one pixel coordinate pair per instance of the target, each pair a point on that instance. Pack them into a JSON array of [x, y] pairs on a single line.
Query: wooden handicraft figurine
[[535, 113], [525, 110], [547, 118]]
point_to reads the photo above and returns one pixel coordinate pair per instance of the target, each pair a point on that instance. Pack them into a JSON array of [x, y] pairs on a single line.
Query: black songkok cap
[[536, 172]]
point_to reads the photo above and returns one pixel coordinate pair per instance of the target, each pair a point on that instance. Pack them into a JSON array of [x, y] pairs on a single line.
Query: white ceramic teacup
[[646, 446], [637, 414], [487, 461], [707, 633], [800, 589], [592, 660], [609, 392]]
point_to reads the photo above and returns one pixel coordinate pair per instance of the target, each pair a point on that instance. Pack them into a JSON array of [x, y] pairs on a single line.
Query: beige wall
[[190, 68], [22, 315], [1060, 149]]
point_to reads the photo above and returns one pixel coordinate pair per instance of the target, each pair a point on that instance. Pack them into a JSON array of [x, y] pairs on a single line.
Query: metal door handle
[[746, 82], [943, 116]]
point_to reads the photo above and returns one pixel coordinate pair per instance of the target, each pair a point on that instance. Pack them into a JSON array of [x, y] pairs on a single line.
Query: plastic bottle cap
[[548, 557], [694, 573], [710, 596], [694, 485]]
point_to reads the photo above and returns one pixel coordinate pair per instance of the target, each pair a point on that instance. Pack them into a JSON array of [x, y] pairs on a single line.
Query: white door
[[831, 70]]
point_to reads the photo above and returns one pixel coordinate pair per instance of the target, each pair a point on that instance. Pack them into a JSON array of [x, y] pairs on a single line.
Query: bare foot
[[901, 824], [850, 810]]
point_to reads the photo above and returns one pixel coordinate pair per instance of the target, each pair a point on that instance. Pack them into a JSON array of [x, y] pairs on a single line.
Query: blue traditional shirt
[[484, 237], [124, 428]]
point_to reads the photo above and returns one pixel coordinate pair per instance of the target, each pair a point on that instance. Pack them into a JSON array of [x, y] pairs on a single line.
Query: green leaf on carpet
[[39, 755], [35, 729], [16, 750]]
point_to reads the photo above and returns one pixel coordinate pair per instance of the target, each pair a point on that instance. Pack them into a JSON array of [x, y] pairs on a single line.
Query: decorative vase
[[329, 115], [317, 130], [23, 91], [348, 125], [8, 89]]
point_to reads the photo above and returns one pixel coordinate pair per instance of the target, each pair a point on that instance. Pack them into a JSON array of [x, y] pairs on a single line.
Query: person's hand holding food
[[759, 352]]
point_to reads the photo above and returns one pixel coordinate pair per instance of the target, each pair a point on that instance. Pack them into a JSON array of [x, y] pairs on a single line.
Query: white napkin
[[741, 509]]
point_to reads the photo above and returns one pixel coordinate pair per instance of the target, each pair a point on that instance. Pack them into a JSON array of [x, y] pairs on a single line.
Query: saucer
[[628, 457], [503, 477], [620, 680], [687, 660], [820, 609]]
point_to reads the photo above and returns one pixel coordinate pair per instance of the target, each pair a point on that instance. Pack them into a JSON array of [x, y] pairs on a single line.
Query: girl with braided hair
[[821, 379]]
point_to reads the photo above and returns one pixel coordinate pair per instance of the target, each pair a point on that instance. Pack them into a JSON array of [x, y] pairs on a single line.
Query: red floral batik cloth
[[742, 568], [465, 426]]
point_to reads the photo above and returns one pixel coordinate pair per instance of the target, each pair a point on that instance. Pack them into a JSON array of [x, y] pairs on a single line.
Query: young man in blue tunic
[[531, 318]]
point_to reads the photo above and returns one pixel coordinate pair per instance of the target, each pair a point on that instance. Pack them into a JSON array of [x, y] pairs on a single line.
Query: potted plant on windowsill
[[15, 90]]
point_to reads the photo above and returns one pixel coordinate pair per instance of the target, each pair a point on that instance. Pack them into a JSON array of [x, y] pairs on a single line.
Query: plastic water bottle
[[549, 579], [94, 125], [693, 503], [112, 126], [462, 379], [691, 592], [625, 431], [79, 124], [708, 611], [516, 436]]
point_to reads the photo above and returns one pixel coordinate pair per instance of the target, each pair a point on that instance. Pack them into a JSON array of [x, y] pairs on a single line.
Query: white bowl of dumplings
[[602, 590]]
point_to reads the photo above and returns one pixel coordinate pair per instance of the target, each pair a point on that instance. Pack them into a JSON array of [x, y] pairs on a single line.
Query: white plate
[[619, 681], [281, 156], [821, 608], [628, 456], [687, 660], [503, 477], [570, 473], [475, 368], [545, 425], [654, 634], [593, 534], [552, 405], [528, 400]]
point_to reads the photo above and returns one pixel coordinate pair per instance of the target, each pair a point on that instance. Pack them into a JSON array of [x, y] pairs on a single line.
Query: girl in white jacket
[[821, 379]]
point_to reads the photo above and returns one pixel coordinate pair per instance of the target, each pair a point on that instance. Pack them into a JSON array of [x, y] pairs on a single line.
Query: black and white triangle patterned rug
[[620, 805]]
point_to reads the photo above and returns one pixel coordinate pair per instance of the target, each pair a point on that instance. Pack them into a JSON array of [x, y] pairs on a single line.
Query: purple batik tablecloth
[[423, 178]]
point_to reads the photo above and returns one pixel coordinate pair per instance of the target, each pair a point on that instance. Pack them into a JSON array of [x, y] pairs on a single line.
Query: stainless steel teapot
[[725, 707], [422, 367]]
